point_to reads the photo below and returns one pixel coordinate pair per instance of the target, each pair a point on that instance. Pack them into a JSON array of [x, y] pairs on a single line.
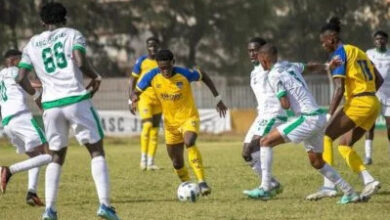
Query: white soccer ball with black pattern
[[188, 191]]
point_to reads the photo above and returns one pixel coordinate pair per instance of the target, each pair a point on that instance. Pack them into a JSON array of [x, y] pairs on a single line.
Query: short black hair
[[269, 49], [164, 55], [333, 24], [258, 40], [381, 33], [11, 53], [152, 39], [53, 13]]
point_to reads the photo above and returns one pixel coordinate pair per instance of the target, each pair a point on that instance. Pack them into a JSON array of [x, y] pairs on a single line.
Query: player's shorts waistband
[[314, 113], [364, 94]]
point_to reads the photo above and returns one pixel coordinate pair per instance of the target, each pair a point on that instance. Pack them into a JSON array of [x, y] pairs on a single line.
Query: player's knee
[[265, 142], [177, 164], [189, 142]]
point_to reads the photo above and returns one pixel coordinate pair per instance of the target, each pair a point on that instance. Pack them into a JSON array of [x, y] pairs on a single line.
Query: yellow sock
[[182, 173], [195, 159], [328, 150], [146, 127], [352, 158], [152, 147]]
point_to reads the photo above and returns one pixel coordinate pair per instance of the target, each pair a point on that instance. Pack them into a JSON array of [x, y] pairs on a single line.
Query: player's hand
[[335, 62], [94, 85], [38, 101], [133, 108], [221, 109]]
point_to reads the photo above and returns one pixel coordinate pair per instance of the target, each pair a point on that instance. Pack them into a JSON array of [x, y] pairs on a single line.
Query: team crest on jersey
[[179, 85]]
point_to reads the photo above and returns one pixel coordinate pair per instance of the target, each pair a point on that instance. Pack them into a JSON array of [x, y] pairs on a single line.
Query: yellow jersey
[[357, 70], [174, 93], [142, 66]]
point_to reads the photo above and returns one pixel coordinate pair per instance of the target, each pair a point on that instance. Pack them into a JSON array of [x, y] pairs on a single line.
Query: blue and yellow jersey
[[174, 93], [142, 66], [357, 70]]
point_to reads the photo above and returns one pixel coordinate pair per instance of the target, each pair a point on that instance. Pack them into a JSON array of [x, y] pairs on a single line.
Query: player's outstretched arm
[[25, 83], [322, 68], [88, 70], [337, 94], [221, 107]]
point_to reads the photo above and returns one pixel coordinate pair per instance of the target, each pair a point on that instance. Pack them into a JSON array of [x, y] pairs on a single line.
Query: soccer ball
[[188, 191]]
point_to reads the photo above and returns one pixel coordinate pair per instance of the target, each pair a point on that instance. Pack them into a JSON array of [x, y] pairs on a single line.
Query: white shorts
[[385, 110], [309, 129], [81, 117], [24, 133], [261, 127]]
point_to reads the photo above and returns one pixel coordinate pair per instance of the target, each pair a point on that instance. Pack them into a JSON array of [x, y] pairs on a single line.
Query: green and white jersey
[[286, 80], [50, 55], [12, 96]]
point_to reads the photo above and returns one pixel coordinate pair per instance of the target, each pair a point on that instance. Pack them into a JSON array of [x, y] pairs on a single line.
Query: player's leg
[[387, 118], [28, 138], [355, 163], [274, 138], [176, 154], [328, 172], [145, 111], [195, 161], [153, 139], [368, 146], [57, 131]]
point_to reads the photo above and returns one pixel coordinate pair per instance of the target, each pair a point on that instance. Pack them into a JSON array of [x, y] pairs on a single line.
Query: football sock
[[152, 147], [332, 175], [255, 163], [100, 176], [352, 158], [328, 183], [182, 173], [368, 148], [52, 178], [36, 161], [266, 166], [196, 163], [366, 177], [328, 150], [144, 139], [33, 176]]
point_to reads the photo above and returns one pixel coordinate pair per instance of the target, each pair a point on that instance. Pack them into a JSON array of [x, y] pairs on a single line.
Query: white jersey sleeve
[[381, 60], [79, 42], [276, 84]]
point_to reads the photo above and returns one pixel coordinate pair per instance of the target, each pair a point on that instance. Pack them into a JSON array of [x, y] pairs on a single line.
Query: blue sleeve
[[146, 80], [191, 75], [137, 66], [339, 71]]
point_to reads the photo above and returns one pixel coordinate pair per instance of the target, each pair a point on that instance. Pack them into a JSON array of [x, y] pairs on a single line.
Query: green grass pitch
[[147, 195]]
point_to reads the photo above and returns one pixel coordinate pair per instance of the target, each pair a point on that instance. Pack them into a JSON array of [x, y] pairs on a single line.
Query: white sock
[[266, 167], [100, 176], [332, 175], [368, 148], [144, 158], [33, 176], [255, 163], [329, 184], [366, 177], [150, 160], [37, 161], [52, 179]]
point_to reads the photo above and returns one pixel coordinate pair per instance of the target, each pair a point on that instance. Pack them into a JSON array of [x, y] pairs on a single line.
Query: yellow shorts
[[363, 110], [175, 134], [148, 107]]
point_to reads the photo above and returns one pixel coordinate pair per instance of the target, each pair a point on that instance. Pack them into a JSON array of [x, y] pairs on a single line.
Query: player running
[[358, 80], [292, 91], [58, 56], [21, 128], [181, 117], [380, 56], [269, 115], [149, 107]]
